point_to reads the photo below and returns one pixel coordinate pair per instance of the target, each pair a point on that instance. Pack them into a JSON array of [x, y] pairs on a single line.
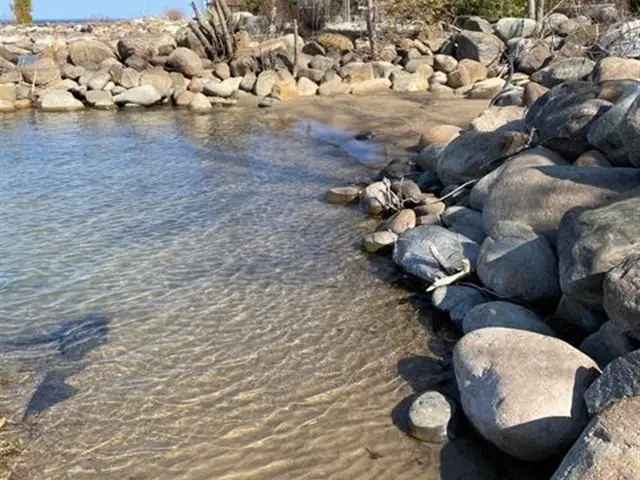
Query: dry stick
[[213, 55], [200, 25], [223, 26], [215, 28], [295, 48], [371, 28]]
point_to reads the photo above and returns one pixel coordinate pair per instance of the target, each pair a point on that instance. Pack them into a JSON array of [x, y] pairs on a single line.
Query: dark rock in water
[[421, 250], [400, 221], [608, 448], [363, 136], [620, 379], [592, 242], [523, 391], [430, 416], [622, 295], [517, 263], [607, 344], [398, 169], [457, 301], [379, 241], [505, 315], [407, 190]]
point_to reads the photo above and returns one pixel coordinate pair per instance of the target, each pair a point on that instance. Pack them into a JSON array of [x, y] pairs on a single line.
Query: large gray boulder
[[145, 95], [517, 263], [89, 52], [457, 301], [422, 250], [465, 221], [572, 315], [564, 70], [40, 71], [609, 448], [59, 101], [540, 196], [563, 117], [505, 315], [622, 295], [530, 55], [607, 344], [508, 28], [622, 40], [523, 391], [146, 46], [185, 61], [592, 242], [485, 48], [159, 79], [620, 379], [474, 154]]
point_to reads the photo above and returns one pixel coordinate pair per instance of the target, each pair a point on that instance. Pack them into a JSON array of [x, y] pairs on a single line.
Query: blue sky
[[65, 9]]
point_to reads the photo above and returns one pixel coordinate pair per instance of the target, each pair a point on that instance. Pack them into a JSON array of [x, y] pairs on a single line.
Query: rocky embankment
[[524, 228]]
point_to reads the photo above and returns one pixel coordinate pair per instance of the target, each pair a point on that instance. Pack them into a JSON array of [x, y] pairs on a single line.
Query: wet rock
[[333, 88], [407, 190], [59, 101], [620, 379], [541, 196], [409, 82], [529, 406], [457, 301], [8, 92], [414, 252], [343, 195], [505, 315], [374, 198], [285, 87], [185, 61], [608, 448], [6, 106], [265, 82], [431, 207], [306, 87], [430, 416], [592, 242], [465, 221], [400, 222], [224, 89], [622, 289], [200, 104], [482, 47], [473, 154], [563, 70], [89, 52], [607, 344], [379, 241], [145, 95], [100, 99], [183, 99]]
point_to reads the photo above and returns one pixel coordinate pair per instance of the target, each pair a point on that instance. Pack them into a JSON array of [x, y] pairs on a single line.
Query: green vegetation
[[22, 11]]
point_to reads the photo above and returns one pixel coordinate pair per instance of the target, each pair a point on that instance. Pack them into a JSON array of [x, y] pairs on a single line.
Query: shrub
[[22, 11], [174, 14]]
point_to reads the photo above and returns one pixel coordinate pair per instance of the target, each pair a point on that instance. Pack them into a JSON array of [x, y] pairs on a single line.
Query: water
[[178, 301]]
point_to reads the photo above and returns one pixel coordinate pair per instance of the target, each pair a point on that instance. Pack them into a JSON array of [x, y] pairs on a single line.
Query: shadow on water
[[69, 344]]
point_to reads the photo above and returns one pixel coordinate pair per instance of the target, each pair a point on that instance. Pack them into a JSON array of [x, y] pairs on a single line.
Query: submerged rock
[[457, 301], [430, 416], [378, 241], [144, 95], [344, 195]]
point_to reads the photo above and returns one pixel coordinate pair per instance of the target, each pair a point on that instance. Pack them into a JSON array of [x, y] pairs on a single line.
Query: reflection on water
[[177, 301]]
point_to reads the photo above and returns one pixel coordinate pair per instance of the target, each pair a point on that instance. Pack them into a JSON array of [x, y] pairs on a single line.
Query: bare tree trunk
[[531, 4], [540, 11], [295, 48], [371, 27]]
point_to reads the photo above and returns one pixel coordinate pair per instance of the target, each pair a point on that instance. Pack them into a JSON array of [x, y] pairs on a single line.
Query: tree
[[22, 11]]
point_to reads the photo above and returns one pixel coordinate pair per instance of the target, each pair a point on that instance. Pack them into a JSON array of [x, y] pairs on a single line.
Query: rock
[[100, 99], [200, 104], [265, 82], [439, 79], [529, 406], [574, 314], [146, 46], [223, 71], [185, 61], [242, 65], [42, 71], [285, 87], [379, 241], [563, 118], [145, 95], [414, 252], [400, 222], [7, 106], [487, 89], [159, 79], [607, 344], [592, 158], [430, 417], [423, 64], [335, 42], [320, 62], [333, 88], [409, 82], [619, 380], [8, 92], [623, 40], [125, 77], [564, 70], [532, 92], [457, 301], [482, 47], [248, 82], [608, 448], [616, 68], [622, 283], [467, 73], [593, 241], [306, 87], [440, 135], [445, 63], [374, 198], [99, 80], [531, 55], [355, 72], [505, 315], [540, 196], [554, 21], [343, 195], [59, 101], [508, 28], [224, 89], [370, 86], [183, 99], [89, 52], [506, 118], [474, 23], [465, 221], [516, 263], [474, 154]]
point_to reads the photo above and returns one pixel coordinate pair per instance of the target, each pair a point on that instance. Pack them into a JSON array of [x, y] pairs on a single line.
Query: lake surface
[[178, 301]]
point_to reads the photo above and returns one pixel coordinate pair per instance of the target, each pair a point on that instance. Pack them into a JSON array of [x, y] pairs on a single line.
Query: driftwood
[[214, 29]]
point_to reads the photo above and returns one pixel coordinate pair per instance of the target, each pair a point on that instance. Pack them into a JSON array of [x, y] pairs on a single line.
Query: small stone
[[430, 416], [377, 241], [401, 221], [200, 104], [343, 195]]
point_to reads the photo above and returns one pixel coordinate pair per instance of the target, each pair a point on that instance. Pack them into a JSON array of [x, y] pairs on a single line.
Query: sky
[[85, 9]]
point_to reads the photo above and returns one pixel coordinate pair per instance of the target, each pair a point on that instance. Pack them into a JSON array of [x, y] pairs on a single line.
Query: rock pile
[[538, 216]]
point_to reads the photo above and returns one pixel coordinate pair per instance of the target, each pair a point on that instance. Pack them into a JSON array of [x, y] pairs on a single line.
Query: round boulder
[[506, 315], [429, 417], [523, 391]]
